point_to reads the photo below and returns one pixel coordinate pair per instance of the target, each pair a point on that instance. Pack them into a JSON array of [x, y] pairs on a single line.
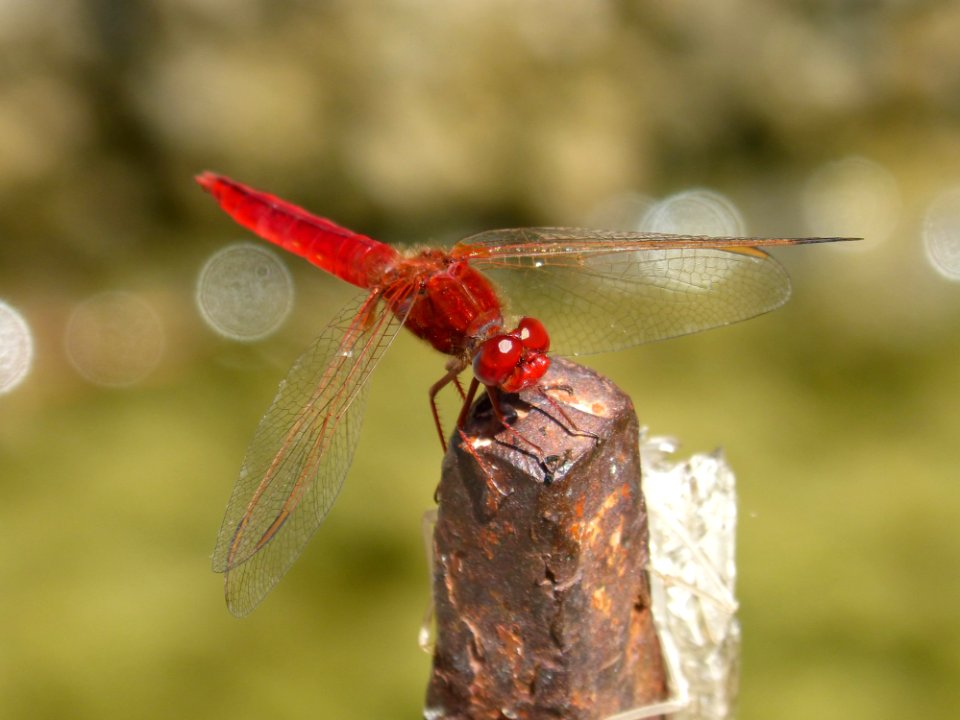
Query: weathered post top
[[540, 581]]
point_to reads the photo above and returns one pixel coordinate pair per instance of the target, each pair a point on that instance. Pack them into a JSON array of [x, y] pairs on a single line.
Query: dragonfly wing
[[546, 242], [600, 291], [301, 452]]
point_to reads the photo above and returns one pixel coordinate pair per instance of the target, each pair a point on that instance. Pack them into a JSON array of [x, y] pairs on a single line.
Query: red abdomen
[[353, 257]]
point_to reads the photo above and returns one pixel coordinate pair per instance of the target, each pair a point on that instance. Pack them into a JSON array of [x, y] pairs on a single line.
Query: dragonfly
[[596, 291]]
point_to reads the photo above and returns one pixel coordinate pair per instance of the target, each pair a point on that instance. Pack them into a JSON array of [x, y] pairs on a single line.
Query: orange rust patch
[[490, 536], [614, 542], [600, 600], [592, 531], [510, 639], [615, 535], [490, 540], [596, 522], [611, 500]]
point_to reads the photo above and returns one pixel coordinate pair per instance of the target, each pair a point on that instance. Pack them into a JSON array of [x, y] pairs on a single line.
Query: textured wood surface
[[540, 584]]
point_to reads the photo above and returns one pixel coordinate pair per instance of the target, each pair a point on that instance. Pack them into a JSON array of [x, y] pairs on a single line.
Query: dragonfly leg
[[547, 463], [467, 402], [496, 493], [568, 424], [495, 401], [451, 376], [456, 382]]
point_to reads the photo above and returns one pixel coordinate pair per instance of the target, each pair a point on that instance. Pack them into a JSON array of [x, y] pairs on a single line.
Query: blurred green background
[[422, 121]]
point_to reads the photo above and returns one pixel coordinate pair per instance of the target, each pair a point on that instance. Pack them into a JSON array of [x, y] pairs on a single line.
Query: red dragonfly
[[596, 290]]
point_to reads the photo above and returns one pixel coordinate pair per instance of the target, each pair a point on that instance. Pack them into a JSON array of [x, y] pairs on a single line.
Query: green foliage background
[[420, 121]]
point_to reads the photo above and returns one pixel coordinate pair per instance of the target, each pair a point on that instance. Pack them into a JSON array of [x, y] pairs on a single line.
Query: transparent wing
[[301, 452], [598, 291]]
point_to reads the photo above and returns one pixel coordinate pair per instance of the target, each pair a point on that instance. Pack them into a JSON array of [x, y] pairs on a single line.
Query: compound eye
[[496, 359], [533, 334]]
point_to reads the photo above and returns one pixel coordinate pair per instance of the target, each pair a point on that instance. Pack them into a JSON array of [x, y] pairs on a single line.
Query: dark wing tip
[[830, 239]]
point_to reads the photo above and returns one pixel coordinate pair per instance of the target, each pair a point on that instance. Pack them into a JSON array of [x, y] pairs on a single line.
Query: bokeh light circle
[[695, 212], [941, 233], [114, 339], [16, 348], [244, 292], [852, 197]]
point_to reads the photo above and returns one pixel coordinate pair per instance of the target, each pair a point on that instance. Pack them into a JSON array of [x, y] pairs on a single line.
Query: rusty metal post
[[540, 582]]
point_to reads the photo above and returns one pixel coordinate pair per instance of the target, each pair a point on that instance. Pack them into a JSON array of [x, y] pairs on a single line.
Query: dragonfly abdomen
[[350, 256]]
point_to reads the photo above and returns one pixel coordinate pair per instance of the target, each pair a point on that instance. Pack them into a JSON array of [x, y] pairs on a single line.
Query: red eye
[[496, 359], [533, 334]]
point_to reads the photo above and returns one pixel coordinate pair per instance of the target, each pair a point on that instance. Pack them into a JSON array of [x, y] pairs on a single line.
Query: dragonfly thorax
[[453, 304]]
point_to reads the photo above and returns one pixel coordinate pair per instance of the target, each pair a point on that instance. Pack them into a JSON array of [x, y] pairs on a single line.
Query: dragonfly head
[[515, 360]]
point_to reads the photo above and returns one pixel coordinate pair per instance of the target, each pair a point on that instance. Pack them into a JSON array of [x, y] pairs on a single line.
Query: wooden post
[[540, 582]]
